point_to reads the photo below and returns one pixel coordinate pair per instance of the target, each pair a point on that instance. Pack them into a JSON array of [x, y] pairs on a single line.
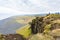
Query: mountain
[[10, 25], [40, 28], [42, 14], [46, 27]]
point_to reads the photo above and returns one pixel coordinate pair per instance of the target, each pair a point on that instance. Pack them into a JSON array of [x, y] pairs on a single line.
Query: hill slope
[[10, 25], [48, 25], [25, 31]]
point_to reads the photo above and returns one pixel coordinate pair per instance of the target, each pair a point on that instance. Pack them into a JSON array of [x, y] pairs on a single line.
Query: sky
[[10, 8]]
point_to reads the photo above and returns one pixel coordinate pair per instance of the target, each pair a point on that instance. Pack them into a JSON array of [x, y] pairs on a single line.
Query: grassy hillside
[[41, 37], [47, 25], [39, 28], [25, 31]]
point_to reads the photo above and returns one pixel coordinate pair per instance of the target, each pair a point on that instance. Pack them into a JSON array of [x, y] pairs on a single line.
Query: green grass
[[25, 31]]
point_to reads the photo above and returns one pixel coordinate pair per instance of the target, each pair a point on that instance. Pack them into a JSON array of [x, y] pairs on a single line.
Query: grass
[[41, 37], [56, 32], [25, 31]]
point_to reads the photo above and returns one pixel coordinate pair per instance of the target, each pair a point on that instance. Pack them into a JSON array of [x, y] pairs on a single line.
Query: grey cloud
[[27, 5]]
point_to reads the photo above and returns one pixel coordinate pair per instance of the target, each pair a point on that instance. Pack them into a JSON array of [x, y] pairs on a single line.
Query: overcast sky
[[19, 7]]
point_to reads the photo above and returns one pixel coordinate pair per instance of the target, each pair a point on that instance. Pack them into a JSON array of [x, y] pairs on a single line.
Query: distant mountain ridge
[[9, 25]]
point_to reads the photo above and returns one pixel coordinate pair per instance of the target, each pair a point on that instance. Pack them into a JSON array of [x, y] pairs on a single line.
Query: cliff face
[[41, 24], [49, 24]]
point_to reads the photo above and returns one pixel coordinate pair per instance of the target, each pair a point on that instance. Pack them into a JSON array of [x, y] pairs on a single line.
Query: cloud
[[35, 6], [24, 5], [17, 7]]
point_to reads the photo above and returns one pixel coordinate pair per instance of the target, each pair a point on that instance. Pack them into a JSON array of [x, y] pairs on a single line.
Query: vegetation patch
[[25, 31]]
